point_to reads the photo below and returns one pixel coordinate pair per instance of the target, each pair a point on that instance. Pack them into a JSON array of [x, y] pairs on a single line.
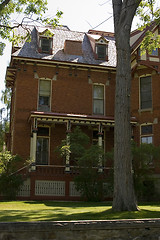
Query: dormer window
[[101, 51], [45, 45], [101, 48]]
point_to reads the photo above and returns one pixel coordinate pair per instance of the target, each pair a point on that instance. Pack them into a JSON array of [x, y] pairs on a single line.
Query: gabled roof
[[137, 35], [97, 38]]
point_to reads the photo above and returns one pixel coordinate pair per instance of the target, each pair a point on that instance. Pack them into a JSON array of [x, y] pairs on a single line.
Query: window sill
[[145, 110]]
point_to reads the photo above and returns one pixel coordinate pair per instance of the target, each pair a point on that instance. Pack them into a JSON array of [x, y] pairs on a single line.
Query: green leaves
[[32, 11], [2, 46], [150, 42], [10, 181], [148, 13]]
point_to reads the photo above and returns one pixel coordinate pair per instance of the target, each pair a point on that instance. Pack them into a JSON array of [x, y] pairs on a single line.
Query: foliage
[[148, 13], [78, 143], [89, 181], [10, 181], [4, 128], [33, 11], [87, 157], [4, 115], [145, 160]]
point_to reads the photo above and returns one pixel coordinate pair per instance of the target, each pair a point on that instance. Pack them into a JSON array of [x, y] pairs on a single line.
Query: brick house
[[68, 80]]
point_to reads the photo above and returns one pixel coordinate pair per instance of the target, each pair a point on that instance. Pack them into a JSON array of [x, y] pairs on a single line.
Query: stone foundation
[[148, 229]]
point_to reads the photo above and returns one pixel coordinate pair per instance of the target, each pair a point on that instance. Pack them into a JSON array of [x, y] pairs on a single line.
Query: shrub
[[10, 180]]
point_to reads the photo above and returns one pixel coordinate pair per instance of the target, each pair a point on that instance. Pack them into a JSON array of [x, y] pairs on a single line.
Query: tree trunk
[[124, 196]]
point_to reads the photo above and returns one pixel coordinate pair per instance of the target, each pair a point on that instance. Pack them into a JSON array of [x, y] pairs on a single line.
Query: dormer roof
[[46, 32], [97, 38]]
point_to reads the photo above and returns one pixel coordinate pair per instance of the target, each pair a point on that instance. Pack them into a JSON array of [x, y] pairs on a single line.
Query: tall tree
[[124, 11], [31, 10]]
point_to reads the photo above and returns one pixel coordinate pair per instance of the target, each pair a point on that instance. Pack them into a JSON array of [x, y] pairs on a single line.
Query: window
[[145, 92], [45, 45], [42, 151], [154, 52], [44, 95], [98, 99], [147, 134], [101, 51]]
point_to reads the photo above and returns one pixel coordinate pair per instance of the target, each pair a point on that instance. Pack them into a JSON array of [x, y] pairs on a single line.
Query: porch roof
[[54, 117]]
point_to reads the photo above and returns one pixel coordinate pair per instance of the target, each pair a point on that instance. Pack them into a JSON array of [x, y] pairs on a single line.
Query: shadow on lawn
[[60, 215], [70, 204]]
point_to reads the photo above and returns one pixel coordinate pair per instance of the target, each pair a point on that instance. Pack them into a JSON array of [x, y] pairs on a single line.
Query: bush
[[89, 181], [10, 181], [87, 157], [145, 161]]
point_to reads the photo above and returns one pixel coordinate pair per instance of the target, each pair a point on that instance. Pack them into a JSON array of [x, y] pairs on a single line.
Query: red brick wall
[[147, 116], [71, 93], [73, 47]]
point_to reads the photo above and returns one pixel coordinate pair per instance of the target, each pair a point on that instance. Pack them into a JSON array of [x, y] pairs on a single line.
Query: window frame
[[155, 52], [95, 99], [50, 46], [105, 46], [41, 136], [142, 108], [41, 107], [146, 135]]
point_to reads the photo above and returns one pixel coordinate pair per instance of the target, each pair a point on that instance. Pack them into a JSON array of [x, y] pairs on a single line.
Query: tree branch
[[9, 27]]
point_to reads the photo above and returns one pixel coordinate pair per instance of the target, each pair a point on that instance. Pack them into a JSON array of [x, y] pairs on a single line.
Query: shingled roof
[[60, 35]]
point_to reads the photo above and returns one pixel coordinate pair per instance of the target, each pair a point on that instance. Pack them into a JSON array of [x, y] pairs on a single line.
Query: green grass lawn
[[14, 211]]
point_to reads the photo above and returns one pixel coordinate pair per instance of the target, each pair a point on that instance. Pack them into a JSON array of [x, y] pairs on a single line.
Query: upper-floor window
[[98, 99], [45, 45], [44, 95], [154, 52], [101, 51], [146, 92]]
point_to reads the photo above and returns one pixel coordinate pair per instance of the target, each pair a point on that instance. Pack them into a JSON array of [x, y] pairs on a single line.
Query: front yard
[[18, 211]]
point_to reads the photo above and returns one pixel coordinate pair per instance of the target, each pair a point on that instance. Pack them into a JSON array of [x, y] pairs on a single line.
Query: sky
[[78, 16]]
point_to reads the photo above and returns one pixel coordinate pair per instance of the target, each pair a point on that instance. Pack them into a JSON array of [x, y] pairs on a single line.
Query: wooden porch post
[[67, 168], [33, 145], [100, 144]]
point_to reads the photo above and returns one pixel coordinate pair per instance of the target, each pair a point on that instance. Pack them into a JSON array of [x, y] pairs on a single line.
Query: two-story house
[[67, 79]]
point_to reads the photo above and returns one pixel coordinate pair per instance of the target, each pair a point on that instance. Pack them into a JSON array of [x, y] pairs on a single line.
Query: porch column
[[33, 145], [100, 144], [67, 168]]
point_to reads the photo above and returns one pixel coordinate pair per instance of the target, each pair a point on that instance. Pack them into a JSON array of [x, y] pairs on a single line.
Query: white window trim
[[47, 79], [104, 100]]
